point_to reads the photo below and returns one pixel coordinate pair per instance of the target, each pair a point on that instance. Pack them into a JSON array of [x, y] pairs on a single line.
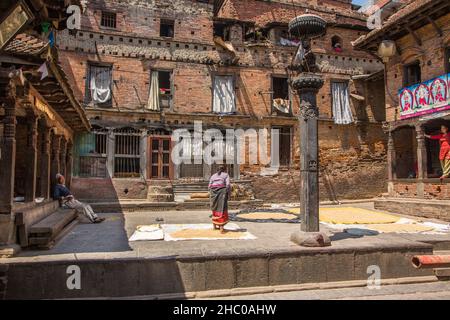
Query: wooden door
[[159, 162]]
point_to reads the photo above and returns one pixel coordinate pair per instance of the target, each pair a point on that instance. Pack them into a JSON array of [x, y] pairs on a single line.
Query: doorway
[[159, 164]]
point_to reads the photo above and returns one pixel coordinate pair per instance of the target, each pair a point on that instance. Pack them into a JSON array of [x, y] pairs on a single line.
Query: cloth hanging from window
[[341, 103], [153, 97], [229, 152], [224, 99], [100, 84]]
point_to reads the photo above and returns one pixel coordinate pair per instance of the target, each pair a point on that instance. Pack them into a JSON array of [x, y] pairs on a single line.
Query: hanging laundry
[[45, 27], [43, 70], [51, 39]]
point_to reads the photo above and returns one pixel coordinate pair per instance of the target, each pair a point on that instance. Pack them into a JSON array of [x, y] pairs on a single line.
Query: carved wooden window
[[166, 28], [412, 74]]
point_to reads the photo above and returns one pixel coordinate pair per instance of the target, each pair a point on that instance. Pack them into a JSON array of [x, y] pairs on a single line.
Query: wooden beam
[[414, 35], [435, 26]]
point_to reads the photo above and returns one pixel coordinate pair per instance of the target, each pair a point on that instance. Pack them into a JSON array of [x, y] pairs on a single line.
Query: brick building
[[145, 68], [417, 102]]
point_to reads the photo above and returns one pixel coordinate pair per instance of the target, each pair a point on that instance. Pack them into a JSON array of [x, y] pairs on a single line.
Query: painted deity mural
[[424, 98]]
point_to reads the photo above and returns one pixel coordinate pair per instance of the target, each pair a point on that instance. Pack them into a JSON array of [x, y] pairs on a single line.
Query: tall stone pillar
[[309, 153], [31, 159], [55, 160], [45, 161], [307, 82], [8, 158]]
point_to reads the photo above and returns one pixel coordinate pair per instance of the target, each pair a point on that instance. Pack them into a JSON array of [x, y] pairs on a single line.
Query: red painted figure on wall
[[444, 154]]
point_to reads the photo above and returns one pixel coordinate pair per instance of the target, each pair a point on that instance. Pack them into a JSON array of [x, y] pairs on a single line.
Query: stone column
[[45, 161], [8, 158], [55, 160], [31, 158], [307, 89], [69, 163]]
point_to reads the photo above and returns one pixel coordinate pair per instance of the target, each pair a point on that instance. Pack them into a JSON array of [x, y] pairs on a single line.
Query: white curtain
[[100, 84], [229, 152], [153, 97], [341, 103], [223, 91]]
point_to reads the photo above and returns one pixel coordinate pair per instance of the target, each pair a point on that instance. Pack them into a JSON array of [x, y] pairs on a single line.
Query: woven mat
[[352, 215]]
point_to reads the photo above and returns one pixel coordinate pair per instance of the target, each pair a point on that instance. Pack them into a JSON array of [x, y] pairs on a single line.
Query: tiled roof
[[408, 11], [25, 44]]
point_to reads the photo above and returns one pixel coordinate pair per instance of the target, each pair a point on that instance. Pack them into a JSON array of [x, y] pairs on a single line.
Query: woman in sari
[[219, 189], [444, 154]]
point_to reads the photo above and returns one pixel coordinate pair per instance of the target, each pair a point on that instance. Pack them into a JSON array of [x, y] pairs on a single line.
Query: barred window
[[108, 19], [127, 153]]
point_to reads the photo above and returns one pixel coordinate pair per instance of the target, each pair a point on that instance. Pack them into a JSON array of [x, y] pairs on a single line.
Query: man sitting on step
[[66, 199]]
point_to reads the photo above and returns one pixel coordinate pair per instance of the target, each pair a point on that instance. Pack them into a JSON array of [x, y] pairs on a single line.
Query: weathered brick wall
[[135, 48], [108, 189], [348, 169], [431, 190], [263, 12], [193, 20], [431, 55]]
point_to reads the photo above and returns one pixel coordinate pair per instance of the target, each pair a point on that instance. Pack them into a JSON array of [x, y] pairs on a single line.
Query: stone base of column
[[311, 239], [9, 251]]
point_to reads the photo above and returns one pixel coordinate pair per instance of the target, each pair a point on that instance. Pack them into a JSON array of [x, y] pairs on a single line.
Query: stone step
[[51, 226]]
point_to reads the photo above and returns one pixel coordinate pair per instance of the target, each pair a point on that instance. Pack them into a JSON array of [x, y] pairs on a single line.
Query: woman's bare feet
[[222, 230]]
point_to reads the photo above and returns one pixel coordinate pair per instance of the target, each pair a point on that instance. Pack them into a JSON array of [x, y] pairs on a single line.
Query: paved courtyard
[[110, 238]]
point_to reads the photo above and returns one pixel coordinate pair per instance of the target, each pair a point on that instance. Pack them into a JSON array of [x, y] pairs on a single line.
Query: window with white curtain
[[99, 82], [342, 112], [224, 95]]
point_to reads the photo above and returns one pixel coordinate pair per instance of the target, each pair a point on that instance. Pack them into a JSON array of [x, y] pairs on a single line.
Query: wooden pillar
[[31, 158], [69, 163], [110, 145], [45, 161], [55, 159], [422, 172], [391, 158], [8, 157], [143, 154], [62, 155]]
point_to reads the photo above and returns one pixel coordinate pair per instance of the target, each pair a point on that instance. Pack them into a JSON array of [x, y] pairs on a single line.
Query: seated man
[[62, 193]]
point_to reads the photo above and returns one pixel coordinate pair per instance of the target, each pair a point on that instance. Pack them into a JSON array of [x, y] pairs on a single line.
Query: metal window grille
[[108, 19], [127, 153]]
